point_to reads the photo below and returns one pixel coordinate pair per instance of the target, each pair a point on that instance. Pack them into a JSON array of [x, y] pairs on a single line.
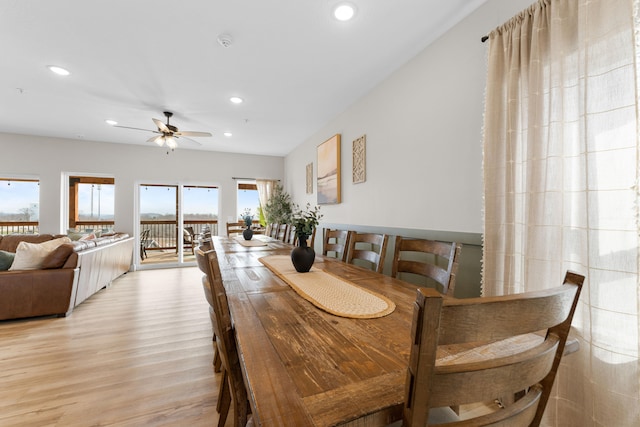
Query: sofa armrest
[[30, 293]]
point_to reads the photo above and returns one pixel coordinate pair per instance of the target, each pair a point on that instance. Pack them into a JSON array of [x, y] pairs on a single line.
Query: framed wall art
[[359, 159], [329, 171], [310, 178]]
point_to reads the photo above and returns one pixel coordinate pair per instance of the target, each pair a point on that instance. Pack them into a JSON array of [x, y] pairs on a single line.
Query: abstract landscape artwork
[[329, 171]]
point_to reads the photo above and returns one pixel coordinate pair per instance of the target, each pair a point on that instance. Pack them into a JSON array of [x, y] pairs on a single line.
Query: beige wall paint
[[50, 158], [423, 127]]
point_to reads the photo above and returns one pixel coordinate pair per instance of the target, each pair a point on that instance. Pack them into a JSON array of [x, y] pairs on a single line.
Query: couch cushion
[[57, 257], [10, 242], [30, 256], [6, 259]]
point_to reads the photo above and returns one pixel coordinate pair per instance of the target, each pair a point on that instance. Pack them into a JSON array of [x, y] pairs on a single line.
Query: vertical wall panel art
[[359, 159]]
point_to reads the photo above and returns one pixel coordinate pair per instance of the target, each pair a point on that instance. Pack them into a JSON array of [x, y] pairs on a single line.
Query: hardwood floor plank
[[137, 353]]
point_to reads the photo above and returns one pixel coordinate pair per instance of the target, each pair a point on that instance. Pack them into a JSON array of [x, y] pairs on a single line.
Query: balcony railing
[[162, 234], [15, 227]]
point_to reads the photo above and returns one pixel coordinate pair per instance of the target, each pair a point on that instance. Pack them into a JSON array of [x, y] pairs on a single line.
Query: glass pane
[[96, 202], [20, 200], [248, 199], [200, 203], [158, 202]]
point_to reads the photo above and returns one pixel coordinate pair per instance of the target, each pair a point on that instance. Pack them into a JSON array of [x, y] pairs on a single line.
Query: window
[[248, 199], [91, 202], [19, 206]]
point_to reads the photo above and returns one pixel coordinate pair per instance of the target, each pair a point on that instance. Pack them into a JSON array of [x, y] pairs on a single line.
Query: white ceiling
[[294, 64]]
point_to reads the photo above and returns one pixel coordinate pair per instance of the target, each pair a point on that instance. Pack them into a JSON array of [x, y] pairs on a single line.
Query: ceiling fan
[[168, 134]]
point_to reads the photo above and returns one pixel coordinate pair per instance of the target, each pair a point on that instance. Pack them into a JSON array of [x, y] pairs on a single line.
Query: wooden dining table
[[303, 366]]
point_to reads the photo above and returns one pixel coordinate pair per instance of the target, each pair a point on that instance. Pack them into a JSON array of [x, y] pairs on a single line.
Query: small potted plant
[[304, 221], [248, 220]]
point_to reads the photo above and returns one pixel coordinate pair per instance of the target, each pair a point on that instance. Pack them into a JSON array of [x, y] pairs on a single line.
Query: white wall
[[50, 158], [423, 127]]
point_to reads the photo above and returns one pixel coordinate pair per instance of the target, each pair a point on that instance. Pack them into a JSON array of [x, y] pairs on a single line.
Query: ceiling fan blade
[[161, 126], [189, 133], [157, 140], [190, 141], [128, 127]]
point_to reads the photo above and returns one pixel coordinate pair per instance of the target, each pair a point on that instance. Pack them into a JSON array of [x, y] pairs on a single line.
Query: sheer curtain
[[560, 189], [265, 190]]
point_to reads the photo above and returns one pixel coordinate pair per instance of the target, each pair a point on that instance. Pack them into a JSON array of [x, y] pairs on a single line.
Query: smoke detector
[[225, 40]]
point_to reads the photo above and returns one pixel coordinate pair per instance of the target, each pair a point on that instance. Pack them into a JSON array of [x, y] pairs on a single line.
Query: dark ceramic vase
[[247, 233], [302, 256]]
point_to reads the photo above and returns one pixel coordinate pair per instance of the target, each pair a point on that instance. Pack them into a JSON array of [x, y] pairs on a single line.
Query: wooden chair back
[[530, 371], [425, 258], [189, 238], [272, 230], [235, 228], [281, 232], [144, 241], [336, 243], [225, 337], [291, 235], [369, 247]]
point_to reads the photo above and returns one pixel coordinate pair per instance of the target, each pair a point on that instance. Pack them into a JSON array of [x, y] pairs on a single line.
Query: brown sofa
[[91, 266]]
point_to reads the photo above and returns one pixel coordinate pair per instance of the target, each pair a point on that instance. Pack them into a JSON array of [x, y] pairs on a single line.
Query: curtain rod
[[484, 39]]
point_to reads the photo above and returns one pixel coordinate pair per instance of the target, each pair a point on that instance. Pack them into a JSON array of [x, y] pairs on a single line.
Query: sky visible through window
[[96, 201], [16, 196], [248, 199], [160, 202]]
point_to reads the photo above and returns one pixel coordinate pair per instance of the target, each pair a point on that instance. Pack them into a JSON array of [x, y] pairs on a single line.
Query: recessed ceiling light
[[236, 100], [58, 70], [111, 122], [227, 134], [344, 11]]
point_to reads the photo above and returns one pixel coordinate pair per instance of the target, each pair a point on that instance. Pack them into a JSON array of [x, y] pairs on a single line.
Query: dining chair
[[201, 259], [368, 247], [144, 241], [291, 235], [235, 228], [189, 239], [281, 233], [436, 261], [479, 323], [231, 373], [272, 230], [336, 243]]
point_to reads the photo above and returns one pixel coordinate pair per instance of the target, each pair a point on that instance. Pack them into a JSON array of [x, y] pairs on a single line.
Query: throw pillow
[[6, 259], [75, 235], [57, 257], [30, 256]]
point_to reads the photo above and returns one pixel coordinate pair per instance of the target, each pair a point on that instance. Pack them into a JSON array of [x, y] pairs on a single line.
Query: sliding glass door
[[171, 218]]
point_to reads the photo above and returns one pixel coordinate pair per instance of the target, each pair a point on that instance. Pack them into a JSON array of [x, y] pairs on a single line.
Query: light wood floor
[[138, 353]]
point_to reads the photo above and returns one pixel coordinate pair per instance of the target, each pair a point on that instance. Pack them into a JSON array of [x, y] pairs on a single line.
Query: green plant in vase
[[247, 217], [277, 210], [304, 221]]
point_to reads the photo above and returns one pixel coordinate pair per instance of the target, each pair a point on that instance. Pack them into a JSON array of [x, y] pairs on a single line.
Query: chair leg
[[217, 362], [224, 399]]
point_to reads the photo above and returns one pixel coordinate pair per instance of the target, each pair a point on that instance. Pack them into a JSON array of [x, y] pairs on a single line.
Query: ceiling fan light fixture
[[236, 100], [58, 70], [171, 142], [159, 140]]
